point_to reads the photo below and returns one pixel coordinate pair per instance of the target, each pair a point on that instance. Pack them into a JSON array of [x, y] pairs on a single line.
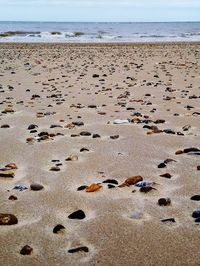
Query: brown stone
[[131, 181], [8, 219], [93, 187], [26, 250], [179, 152]]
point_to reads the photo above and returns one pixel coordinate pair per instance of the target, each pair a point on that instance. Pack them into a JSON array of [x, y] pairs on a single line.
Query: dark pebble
[[196, 214], [162, 165], [111, 181], [146, 189], [114, 137], [80, 215], [74, 250], [12, 197], [84, 149], [96, 136], [58, 228], [5, 126], [166, 175], [26, 250], [32, 126], [81, 188], [164, 201], [111, 186], [85, 133], [8, 219], [195, 197], [168, 220], [36, 187]]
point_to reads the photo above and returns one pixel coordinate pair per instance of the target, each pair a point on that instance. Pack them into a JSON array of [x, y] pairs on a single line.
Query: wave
[[92, 36]]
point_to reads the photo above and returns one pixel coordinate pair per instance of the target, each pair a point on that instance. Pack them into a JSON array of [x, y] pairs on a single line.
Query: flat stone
[[172, 220], [85, 133], [55, 169], [7, 173], [166, 175], [36, 187], [96, 136], [79, 249], [114, 137]]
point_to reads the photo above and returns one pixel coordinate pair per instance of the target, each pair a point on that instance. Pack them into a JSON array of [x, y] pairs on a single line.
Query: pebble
[[72, 157], [144, 183], [196, 214], [195, 197], [7, 173], [79, 249], [114, 137], [96, 136], [164, 201], [146, 189], [20, 187], [32, 126], [198, 167], [162, 165], [79, 215], [120, 121], [111, 181], [131, 181], [58, 228], [81, 188], [93, 187], [84, 149], [5, 126], [8, 219], [110, 186], [85, 133], [55, 169], [26, 250], [172, 220], [12, 197], [166, 175], [136, 214], [36, 187]]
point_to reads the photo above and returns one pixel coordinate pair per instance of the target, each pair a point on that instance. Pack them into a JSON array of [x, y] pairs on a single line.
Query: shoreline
[[96, 44]]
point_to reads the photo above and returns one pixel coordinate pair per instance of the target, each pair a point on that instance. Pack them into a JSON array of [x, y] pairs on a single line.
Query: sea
[[93, 32]]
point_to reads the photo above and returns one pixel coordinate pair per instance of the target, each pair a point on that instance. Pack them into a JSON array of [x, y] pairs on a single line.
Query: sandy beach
[[100, 150]]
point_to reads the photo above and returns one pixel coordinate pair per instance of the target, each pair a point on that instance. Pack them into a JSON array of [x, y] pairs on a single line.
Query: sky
[[100, 10]]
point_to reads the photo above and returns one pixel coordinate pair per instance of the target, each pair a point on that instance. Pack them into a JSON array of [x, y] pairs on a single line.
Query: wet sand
[[78, 115]]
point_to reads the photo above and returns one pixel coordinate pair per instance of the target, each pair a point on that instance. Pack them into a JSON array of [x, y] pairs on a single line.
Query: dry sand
[[138, 82]]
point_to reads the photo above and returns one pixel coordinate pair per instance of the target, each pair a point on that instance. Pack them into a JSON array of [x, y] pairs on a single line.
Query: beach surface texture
[[100, 150]]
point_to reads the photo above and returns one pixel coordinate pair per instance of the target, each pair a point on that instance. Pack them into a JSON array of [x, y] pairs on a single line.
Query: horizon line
[[43, 21]]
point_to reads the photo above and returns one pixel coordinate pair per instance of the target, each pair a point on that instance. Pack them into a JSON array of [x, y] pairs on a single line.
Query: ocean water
[[98, 32]]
